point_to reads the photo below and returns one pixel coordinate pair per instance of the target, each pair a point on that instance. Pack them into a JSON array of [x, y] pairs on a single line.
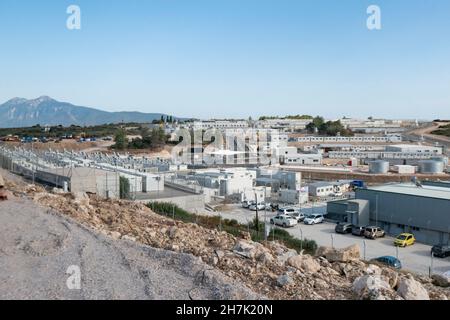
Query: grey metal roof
[[321, 184], [412, 189]]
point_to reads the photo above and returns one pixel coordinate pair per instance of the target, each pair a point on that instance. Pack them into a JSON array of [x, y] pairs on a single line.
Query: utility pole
[[265, 214], [173, 211], [364, 245], [431, 263], [257, 218], [301, 239], [376, 210]]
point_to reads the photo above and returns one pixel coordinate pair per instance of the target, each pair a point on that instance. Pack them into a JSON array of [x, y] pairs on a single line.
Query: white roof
[[412, 189]]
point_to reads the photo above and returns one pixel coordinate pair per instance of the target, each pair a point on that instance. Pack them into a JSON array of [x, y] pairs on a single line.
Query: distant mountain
[[19, 112]]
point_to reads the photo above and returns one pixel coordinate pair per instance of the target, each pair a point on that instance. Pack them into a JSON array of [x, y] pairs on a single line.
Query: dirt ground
[[39, 245]]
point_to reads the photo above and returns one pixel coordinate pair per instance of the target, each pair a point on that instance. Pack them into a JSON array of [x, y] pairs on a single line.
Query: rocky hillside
[[268, 269], [19, 112]]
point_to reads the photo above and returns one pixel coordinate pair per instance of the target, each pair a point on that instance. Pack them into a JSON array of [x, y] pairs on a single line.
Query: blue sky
[[231, 58]]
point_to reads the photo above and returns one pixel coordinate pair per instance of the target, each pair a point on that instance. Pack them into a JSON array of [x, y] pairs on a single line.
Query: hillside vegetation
[[443, 131]]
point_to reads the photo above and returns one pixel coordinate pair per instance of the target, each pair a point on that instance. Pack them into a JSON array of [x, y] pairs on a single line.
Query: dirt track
[[38, 246], [426, 132]]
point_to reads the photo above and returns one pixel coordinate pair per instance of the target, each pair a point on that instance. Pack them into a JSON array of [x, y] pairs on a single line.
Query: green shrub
[[234, 227]]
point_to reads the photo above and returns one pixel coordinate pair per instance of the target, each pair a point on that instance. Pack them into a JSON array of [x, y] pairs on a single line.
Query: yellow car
[[405, 239]]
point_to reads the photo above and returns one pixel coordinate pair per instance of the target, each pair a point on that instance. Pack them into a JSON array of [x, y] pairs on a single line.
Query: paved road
[[38, 247], [415, 258]]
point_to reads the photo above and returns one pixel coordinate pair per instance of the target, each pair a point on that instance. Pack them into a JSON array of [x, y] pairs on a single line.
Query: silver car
[[284, 220]]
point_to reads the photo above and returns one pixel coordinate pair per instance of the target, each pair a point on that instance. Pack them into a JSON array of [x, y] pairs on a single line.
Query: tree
[[316, 123], [329, 128], [121, 140], [153, 139]]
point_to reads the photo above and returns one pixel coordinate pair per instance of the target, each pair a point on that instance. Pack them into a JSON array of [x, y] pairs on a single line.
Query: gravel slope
[[37, 246]]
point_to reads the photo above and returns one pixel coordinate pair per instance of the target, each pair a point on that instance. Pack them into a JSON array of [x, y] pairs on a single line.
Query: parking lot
[[416, 258]]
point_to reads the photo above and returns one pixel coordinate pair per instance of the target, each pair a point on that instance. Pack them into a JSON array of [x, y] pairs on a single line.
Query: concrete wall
[[101, 182], [358, 212], [191, 203], [108, 184], [292, 197], [337, 210]]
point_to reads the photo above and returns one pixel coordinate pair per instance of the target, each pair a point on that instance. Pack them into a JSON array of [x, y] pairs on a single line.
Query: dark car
[[441, 251], [343, 227], [358, 231], [389, 261]]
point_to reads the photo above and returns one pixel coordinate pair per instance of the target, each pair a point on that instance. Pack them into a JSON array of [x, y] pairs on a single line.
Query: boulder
[[321, 284], [2, 182], [390, 276], [58, 191], [246, 235], [305, 263], [441, 280], [265, 258], [284, 280], [282, 257], [173, 232], [220, 254], [410, 289], [81, 198], [342, 255], [251, 250], [115, 235], [331, 272], [128, 238], [371, 287], [373, 269]]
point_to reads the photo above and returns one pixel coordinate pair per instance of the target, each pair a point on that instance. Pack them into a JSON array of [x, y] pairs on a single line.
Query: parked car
[[374, 232], [358, 231], [389, 261], [259, 206], [288, 211], [441, 251], [343, 227], [299, 216], [245, 204], [314, 219], [283, 220], [275, 206], [404, 240]]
